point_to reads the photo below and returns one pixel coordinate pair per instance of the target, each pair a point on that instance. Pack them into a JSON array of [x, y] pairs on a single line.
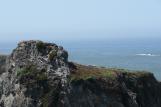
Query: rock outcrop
[[101, 87], [38, 74], [2, 63]]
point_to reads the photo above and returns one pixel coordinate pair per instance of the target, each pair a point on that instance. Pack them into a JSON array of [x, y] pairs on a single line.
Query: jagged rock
[[38, 74], [31, 74]]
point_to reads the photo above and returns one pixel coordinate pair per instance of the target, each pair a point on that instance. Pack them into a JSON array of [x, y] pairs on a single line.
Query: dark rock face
[[99, 93], [145, 90], [126, 90], [38, 74], [2, 63]]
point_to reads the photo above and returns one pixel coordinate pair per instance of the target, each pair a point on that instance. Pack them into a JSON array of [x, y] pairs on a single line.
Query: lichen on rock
[[28, 66]]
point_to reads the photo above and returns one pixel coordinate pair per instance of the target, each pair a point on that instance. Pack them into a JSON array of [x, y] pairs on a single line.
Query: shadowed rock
[[2, 63]]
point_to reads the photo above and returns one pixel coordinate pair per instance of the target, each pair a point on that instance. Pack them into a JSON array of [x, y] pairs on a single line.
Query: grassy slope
[[85, 72]]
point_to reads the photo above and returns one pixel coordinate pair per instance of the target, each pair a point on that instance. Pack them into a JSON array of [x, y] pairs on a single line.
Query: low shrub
[[31, 73], [40, 46]]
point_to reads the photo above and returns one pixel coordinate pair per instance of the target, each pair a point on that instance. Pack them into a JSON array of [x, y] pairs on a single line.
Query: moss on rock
[[52, 54], [31, 74]]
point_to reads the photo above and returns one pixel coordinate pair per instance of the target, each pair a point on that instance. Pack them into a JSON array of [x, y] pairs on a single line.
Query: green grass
[[138, 74], [85, 72], [32, 73], [29, 70]]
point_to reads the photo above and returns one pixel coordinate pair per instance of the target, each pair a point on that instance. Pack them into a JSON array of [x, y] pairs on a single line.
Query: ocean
[[142, 55]]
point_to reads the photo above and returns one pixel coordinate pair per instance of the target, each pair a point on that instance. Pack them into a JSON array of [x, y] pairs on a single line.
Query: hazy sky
[[62, 19]]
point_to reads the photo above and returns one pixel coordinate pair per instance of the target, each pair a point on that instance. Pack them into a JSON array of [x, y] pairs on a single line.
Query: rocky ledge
[[38, 74]]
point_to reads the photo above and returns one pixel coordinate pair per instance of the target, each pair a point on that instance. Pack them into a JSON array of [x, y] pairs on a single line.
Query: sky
[[79, 19]]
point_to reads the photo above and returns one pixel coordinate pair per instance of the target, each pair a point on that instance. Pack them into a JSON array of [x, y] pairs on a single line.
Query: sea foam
[[147, 54]]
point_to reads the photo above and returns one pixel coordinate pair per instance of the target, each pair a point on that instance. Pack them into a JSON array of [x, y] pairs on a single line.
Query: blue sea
[[143, 55]]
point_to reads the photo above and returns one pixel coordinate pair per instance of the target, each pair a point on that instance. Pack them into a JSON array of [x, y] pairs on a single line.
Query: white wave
[[147, 54]]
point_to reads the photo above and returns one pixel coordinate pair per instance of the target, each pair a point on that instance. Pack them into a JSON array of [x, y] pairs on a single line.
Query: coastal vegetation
[[83, 72], [40, 46], [31, 74]]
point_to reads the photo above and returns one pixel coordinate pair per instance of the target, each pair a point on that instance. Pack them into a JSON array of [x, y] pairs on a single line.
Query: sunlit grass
[[86, 72]]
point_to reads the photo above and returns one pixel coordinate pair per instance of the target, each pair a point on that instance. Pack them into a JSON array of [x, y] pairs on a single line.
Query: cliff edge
[[38, 74]]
